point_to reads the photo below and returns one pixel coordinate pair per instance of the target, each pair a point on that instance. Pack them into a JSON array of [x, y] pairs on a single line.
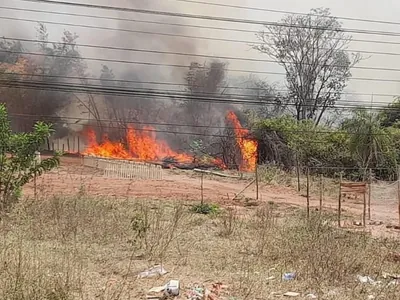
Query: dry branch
[[238, 194], [216, 173]]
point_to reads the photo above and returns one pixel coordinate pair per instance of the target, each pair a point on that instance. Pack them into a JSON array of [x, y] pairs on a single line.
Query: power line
[[286, 12], [205, 17], [76, 120], [187, 85], [154, 23], [177, 65], [100, 90], [188, 54]]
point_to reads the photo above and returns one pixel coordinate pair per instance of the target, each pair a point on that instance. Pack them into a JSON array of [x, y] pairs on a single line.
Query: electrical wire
[[204, 93], [148, 93], [184, 36], [176, 65], [205, 17], [76, 120], [191, 54], [286, 12], [154, 23]]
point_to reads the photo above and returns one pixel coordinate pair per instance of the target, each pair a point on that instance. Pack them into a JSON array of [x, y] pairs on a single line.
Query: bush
[[18, 163]]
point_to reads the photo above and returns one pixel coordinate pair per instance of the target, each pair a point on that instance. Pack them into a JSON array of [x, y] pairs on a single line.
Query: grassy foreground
[[85, 248]]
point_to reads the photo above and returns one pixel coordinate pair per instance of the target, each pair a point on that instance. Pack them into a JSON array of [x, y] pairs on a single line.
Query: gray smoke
[[135, 108]]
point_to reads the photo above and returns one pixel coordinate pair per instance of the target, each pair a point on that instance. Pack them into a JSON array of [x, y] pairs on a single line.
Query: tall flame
[[248, 147], [141, 145]]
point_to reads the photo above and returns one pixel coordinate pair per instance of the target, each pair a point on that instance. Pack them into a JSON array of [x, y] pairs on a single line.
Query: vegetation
[[359, 141], [312, 50], [82, 247], [18, 162]]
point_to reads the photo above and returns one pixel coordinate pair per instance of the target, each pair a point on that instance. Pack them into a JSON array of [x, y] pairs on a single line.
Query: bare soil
[[72, 176]]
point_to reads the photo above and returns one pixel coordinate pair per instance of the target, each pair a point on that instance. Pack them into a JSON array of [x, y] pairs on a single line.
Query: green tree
[[18, 164], [391, 115], [370, 143]]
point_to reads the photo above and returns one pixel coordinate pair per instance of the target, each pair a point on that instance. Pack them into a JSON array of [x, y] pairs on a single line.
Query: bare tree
[[272, 102], [313, 51]]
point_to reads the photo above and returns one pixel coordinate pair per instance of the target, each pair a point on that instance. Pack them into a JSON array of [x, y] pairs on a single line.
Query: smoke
[[210, 76]]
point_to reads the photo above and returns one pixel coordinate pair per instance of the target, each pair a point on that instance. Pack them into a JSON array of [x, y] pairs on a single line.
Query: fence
[[71, 144], [125, 169]]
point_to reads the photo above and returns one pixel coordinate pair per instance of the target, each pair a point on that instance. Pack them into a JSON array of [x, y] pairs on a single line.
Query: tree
[[272, 102], [391, 115], [18, 159], [369, 142], [312, 50], [33, 81]]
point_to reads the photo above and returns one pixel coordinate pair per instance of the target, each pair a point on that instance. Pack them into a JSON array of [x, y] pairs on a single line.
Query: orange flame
[[248, 147], [142, 146]]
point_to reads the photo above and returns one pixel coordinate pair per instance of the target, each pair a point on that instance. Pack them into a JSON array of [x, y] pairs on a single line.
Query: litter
[[311, 296], [154, 271], [291, 294], [270, 278], [170, 289], [289, 276], [216, 292], [367, 279]]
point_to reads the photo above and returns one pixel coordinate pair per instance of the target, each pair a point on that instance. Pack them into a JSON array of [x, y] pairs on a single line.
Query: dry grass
[[92, 248]]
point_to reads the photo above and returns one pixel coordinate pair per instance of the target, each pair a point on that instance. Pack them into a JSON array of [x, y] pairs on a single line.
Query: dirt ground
[[71, 177], [95, 245]]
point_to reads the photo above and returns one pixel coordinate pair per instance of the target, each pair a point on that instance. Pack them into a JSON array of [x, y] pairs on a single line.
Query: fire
[[140, 145], [143, 145], [248, 147]]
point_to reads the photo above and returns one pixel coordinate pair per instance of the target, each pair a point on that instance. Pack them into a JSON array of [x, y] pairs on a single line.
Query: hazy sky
[[366, 9]]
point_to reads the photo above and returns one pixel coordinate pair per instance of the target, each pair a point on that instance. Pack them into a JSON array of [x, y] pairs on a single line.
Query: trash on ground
[[291, 294], [311, 296], [270, 278], [377, 223], [216, 292], [172, 288], [355, 223], [169, 289], [157, 289], [367, 279], [289, 276], [154, 271], [196, 293]]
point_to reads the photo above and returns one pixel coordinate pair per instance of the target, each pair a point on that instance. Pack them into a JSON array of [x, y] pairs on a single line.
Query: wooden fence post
[[256, 173], [398, 190], [369, 193], [364, 209], [298, 174], [340, 201], [308, 192], [201, 186], [321, 192]]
